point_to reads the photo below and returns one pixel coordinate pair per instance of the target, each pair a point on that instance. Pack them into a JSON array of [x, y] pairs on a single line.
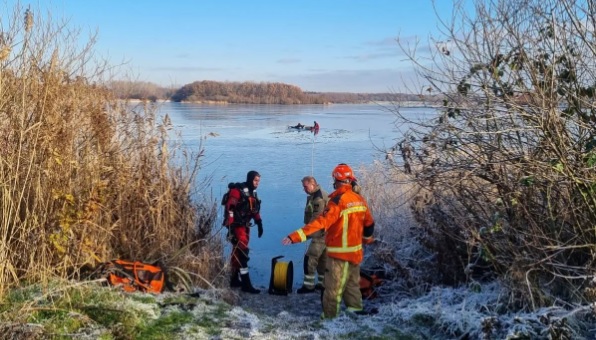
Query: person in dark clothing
[[314, 259], [243, 204]]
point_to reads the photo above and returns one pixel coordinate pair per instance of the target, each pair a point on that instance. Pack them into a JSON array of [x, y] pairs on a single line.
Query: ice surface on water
[[239, 138]]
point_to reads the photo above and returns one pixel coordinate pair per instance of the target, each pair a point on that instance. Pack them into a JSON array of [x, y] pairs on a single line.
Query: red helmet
[[342, 172]]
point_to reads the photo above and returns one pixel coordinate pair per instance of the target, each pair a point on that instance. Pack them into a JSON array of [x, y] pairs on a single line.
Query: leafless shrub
[[507, 166]]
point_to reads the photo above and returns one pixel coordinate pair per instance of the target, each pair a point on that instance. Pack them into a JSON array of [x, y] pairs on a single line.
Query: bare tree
[[507, 166]]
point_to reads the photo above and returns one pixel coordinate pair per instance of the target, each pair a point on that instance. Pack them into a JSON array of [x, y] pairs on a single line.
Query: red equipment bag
[[368, 285], [136, 276]]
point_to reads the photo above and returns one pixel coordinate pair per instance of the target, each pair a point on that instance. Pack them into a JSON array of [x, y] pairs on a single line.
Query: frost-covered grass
[[479, 312], [92, 311]]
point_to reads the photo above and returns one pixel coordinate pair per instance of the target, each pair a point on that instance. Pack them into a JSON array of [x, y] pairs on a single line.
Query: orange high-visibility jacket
[[348, 224]]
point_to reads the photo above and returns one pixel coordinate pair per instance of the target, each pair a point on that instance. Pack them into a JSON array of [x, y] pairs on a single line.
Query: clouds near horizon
[[322, 46]]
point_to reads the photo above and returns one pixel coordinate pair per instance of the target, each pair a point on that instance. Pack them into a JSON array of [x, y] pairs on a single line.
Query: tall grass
[[85, 178]]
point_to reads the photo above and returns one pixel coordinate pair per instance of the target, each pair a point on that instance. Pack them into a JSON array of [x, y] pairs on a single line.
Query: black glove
[[260, 226]]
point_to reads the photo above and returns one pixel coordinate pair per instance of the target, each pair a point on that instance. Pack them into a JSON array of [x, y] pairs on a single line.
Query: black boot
[[247, 286], [305, 290], [235, 279]]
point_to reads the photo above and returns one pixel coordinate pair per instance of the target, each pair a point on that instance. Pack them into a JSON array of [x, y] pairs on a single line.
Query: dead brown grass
[[85, 178]]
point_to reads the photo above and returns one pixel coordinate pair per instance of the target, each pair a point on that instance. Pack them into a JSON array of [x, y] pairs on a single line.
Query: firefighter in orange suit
[[348, 224]]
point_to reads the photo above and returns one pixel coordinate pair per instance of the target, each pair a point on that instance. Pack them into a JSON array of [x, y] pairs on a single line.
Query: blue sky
[[325, 46]]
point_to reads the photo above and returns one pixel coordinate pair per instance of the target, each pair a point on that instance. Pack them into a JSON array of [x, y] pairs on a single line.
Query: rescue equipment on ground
[[282, 277], [368, 285], [135, 276]]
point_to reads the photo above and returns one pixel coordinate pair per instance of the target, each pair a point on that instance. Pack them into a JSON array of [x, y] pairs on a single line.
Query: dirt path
[[304, 305]]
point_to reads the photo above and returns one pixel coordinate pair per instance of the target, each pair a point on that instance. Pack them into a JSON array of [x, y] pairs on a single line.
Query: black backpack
[[244, 197], [226, 196]]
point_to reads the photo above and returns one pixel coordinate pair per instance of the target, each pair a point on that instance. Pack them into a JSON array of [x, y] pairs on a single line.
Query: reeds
[[85, 178]]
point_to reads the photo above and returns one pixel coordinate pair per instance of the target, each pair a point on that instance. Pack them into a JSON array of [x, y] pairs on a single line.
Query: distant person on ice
[[241, 206], [348, 225], [314, 259]]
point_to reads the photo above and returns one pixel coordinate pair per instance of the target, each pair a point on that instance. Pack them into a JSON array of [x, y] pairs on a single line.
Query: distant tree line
[[251, 93], [245, 92]]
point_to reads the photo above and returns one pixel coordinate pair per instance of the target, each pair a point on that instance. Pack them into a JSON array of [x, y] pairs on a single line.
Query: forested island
[[207, 91]]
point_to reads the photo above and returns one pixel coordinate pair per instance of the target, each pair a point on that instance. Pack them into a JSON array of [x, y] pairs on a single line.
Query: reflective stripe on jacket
[[347, 222]]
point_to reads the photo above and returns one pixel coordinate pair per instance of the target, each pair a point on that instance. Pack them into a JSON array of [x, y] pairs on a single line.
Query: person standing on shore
[[314, 259], [241, 205], [348, 224]]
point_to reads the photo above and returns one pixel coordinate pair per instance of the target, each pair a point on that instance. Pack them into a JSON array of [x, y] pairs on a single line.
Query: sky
[[318, 45]]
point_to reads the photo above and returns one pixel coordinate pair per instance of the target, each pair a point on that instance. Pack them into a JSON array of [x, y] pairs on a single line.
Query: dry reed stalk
[[85, 178]]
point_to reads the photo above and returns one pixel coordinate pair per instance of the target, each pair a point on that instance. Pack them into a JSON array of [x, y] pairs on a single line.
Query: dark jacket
[[315, 204]]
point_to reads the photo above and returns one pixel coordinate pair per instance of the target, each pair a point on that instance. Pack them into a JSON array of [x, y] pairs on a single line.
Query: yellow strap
[[352, 249]]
